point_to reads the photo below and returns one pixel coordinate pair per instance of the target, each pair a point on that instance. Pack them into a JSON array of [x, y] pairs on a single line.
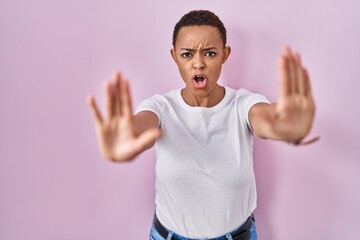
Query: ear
[[226, 53], [173, 55]]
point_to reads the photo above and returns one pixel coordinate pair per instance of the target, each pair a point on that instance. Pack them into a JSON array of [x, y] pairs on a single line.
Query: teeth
[[199, 78]]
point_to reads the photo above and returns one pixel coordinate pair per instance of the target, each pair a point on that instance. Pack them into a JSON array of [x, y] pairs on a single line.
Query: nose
[[198, 63]]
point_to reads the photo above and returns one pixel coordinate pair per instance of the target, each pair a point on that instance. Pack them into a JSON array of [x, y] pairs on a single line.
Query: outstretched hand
[[115, 133], [295, 108]]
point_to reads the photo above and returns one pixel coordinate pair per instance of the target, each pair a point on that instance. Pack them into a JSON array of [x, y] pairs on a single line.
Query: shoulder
[[157, 102], [168, 96], [245, 95], [244, 100]]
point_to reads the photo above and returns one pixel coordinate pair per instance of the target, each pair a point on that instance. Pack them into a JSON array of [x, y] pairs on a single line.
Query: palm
[[295, 106], [116, 136]]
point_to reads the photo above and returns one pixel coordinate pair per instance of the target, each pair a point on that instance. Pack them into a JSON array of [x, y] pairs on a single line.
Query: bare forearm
[[144, 121], [268, 123]]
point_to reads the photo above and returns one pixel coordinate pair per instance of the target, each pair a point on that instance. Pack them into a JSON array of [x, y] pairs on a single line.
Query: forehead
[[198, 36]]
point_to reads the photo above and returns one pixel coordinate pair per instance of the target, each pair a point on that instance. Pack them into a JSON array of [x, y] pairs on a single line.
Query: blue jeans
[[154, 235]]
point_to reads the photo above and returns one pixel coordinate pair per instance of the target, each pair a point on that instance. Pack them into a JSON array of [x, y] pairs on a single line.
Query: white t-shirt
[[205, 183]]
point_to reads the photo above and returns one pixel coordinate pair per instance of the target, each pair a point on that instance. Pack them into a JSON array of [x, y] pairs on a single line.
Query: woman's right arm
[[122, 136]]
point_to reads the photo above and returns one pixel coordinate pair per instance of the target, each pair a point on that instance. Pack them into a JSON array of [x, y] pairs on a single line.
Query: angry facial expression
[[199, 54]]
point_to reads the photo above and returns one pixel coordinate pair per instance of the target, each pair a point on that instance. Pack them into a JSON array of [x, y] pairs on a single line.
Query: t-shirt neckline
[[184, 105]]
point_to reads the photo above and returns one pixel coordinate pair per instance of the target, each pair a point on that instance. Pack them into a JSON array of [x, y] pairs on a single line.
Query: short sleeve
[[154, 104], [246, 100]]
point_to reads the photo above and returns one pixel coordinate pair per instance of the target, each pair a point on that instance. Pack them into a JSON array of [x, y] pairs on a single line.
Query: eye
[[186, 55], [210, 54]]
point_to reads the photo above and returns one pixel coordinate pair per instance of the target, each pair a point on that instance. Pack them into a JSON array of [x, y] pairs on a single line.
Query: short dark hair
[[200, 18]]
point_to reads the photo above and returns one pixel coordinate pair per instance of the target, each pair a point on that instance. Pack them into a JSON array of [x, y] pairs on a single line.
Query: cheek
[[215, 67], [216, 72], [184, 68], [183, 72]]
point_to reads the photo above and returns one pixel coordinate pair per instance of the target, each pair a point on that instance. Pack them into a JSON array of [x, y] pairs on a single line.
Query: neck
[[209, 100]]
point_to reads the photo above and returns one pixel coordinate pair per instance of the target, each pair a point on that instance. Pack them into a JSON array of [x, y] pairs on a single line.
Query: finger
[[108, 100], [284, 85], [300, 75], [117, 103], [94, 110], [126, 99], [292, 70], [307, 85]]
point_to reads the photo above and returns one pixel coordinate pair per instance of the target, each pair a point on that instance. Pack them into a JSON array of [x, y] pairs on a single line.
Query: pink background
[[55, 185]]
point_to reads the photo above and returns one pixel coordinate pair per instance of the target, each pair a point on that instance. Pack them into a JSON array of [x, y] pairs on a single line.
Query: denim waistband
[[240, 233]]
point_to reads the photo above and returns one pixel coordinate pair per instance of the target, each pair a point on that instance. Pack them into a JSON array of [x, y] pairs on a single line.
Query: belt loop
[[229, 237], [169, 237]]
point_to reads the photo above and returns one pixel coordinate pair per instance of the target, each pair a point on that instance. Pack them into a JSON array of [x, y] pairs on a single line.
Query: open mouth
[[200, 81], [199, 78]]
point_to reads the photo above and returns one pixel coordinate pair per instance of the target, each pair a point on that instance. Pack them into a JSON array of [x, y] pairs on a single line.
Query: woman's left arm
[[291, 117]]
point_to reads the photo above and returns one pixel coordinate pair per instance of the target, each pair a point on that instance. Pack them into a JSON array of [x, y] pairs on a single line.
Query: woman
[[205, 184]]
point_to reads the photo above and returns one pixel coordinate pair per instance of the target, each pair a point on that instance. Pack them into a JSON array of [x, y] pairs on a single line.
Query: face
[[199, 54]]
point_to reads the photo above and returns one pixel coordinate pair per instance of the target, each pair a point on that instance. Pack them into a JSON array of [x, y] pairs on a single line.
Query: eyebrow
[[193, 50]]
